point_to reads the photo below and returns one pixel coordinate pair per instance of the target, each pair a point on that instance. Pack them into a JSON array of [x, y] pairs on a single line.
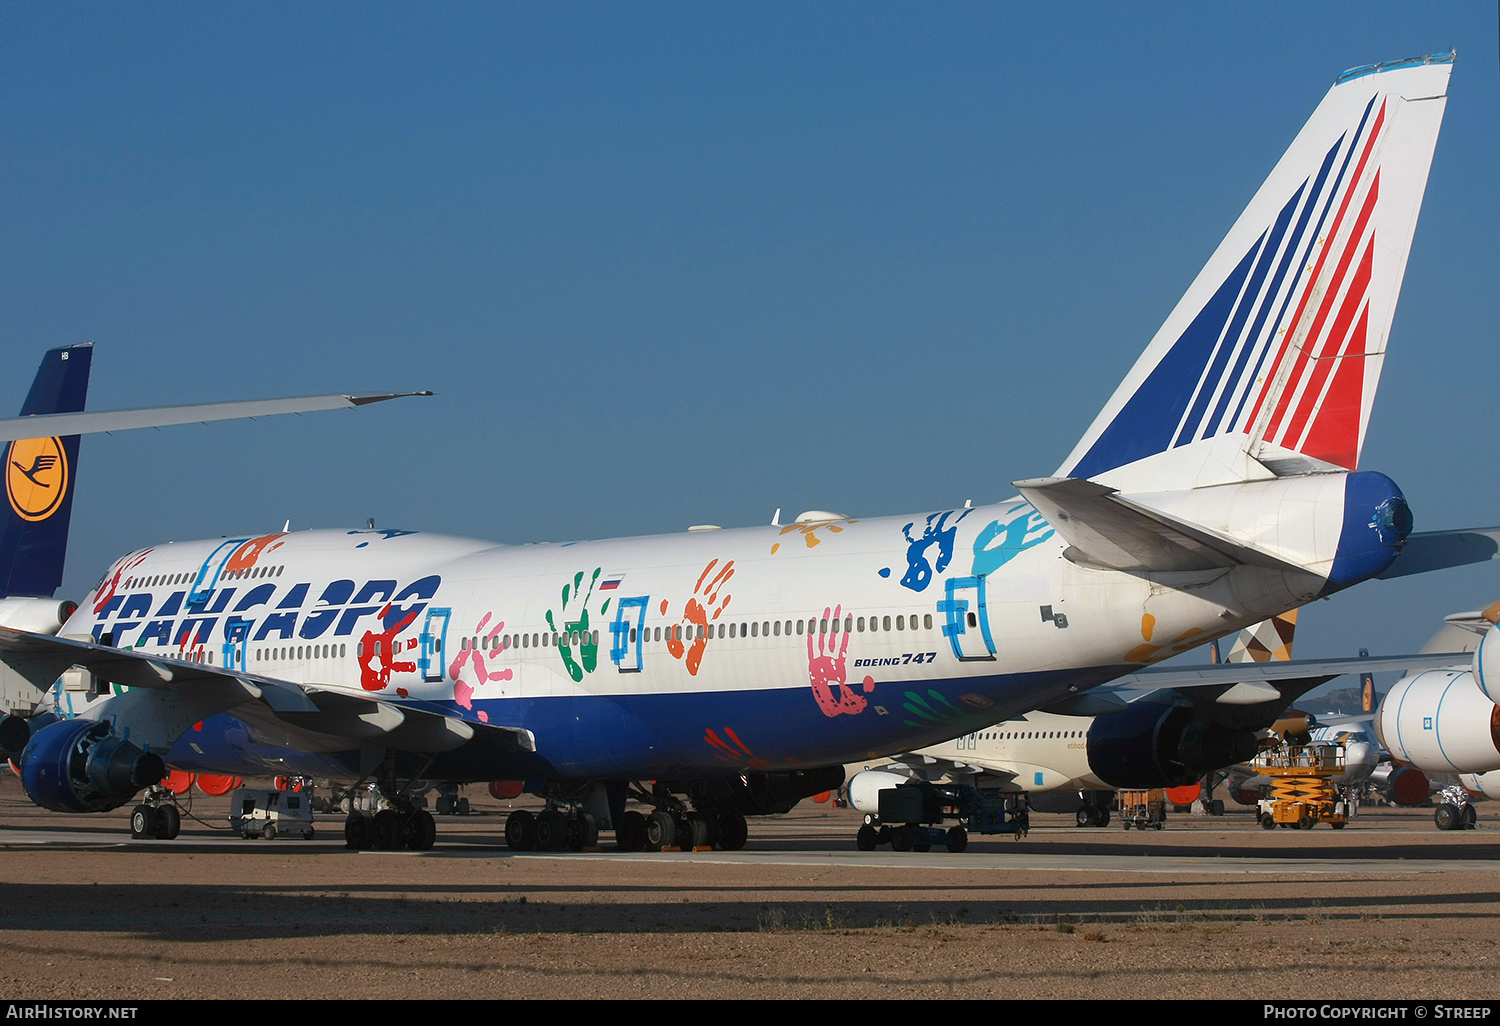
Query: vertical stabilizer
[[1269, 363], [39, 477]]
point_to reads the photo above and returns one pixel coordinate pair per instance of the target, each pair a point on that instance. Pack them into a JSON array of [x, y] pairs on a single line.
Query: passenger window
[[860, 625], [900, 623], [799, 627], [927, 621], [848, 624], [886, 624]]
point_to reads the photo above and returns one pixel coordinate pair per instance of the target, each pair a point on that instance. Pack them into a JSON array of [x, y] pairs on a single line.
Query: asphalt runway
[[1389, 907]]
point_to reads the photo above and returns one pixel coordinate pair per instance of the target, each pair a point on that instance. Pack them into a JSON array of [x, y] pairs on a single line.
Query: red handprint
[[697, 615], [826, 668], [378, 649]]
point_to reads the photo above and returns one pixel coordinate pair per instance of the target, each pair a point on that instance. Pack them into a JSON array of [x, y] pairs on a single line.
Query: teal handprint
[[999, 543]]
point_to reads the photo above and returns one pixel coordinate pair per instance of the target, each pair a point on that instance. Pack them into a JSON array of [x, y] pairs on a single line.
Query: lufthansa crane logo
[[36, 477]]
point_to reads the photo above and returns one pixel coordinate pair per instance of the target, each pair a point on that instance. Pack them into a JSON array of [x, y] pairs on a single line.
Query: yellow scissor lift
[[1302, 791]]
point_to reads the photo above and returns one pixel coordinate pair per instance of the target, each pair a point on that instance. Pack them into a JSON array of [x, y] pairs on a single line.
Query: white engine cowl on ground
[[865, 788], [1487, 663], [1440, 721]]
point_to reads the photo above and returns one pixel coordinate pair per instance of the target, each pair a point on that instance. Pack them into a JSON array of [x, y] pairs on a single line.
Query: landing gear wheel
[[143, 821], [551, 831], [420, 832], [520, 831], [630, 835], [1086, 816], [1470, 817], [733, 831], [582, 832], [867, 838], [386, 830], [1103, 818], [1267, 821], [958, 839], [168, 822], [1447, 817], [699, 833], [661, 831], [901, 838], [268, 832], [359, 833]]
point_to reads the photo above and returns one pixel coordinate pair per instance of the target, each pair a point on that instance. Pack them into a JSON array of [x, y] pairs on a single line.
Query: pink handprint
[[826, 668], [463, 693]]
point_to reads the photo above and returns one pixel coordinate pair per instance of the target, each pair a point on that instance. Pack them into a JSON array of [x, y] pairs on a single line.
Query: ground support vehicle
[[911, 817], [1142, 809], [1454, 811], [1302, 790], [269, 814]]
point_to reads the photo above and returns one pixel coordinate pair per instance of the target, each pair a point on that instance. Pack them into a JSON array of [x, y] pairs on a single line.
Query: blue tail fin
[[39, 478]]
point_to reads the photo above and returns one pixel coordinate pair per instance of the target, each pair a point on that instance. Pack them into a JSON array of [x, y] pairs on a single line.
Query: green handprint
[[577, 631], [930, 715]]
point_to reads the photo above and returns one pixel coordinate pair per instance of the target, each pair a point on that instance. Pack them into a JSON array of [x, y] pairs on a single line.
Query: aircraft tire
[[386, 830], [168, 822], [520, 831], [143, 821], [1085, 816], [421, 831], [1103, 820], [1446, 816], [733, 830], [661, 831], [630, 835], [551, 831], [867, 838], [357, 832], [1470, 817]]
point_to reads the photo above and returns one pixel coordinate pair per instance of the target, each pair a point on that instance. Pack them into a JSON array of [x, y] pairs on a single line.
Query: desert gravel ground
[[92, 915]]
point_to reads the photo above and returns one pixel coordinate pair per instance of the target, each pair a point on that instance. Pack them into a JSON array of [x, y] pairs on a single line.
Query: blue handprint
[[918, 571], [1000, 542]]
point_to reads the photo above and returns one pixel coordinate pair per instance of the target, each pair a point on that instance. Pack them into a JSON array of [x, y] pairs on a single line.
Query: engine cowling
[[1401, 784], [866, 785], [1151, 744], [1440, 721], [81, 766], [37, 615], [1482, 785], [1487, 664]]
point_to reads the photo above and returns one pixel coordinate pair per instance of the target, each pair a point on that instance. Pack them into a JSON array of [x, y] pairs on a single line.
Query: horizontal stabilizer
[[1439, 550], [1107, 530], [52, 424]]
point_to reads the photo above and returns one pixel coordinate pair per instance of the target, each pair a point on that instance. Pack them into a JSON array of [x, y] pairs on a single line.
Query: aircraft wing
[[57, 424], [341, 717], [1289, 669]]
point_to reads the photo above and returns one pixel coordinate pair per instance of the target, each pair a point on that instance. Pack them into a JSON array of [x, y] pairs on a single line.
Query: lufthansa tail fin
[[1268, 366], [39, 477]]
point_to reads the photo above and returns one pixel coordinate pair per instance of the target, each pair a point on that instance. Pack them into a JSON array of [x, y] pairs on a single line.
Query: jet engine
[[81, 766], [1440, 720], [1401, 784], [37, 615], [1152, 744], [866, 785]]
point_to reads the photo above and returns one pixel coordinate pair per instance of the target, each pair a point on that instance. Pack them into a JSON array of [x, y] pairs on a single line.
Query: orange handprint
[[825, 668], [697, 615]]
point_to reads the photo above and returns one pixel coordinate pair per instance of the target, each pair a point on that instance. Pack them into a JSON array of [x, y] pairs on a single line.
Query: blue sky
[[677, 264]]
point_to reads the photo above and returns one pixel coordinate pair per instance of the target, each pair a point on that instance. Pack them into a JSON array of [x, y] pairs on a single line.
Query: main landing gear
[[157, 816], [386, 818]]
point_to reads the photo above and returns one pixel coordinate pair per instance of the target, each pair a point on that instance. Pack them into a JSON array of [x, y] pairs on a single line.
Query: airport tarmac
[[1388, 908]]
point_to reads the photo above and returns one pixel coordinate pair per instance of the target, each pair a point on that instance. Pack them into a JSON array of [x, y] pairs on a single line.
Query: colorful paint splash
[[247, 554], [377, 655], [111, 584], [931, 710], [809, 532], [826, 669], [999, 543], [937, 531], [732, 750], [697, 615], [588, 648], [472, 658]]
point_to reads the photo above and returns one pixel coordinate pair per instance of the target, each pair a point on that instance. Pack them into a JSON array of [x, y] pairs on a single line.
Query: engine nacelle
[[37, 615], [1482, 785], [80, 766], [1401, 784], [865, 787], [1440, 721], [1487, 664], [1151, 744]]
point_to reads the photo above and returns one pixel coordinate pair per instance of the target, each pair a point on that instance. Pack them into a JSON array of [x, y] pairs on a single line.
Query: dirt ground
[[92, 915]]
